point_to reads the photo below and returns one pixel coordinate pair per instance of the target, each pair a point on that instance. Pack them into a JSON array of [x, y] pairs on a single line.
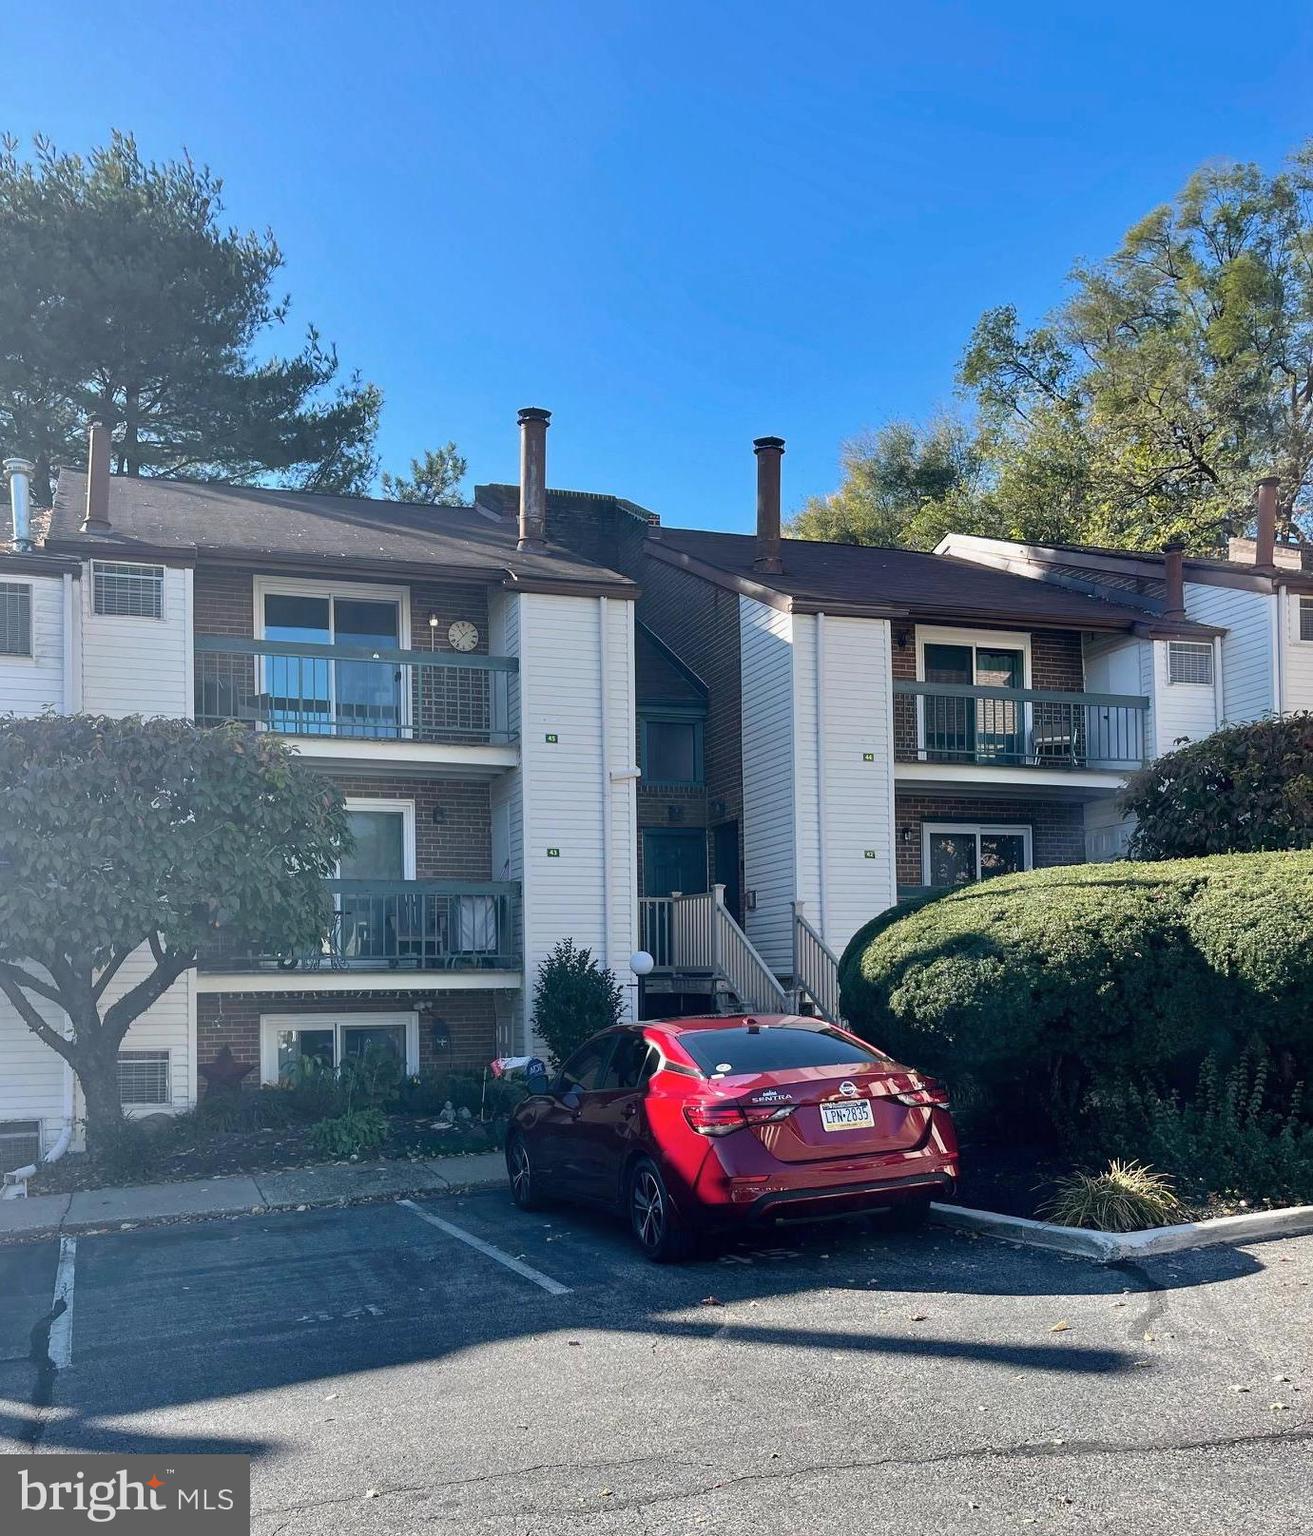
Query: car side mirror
[[538, 1082]]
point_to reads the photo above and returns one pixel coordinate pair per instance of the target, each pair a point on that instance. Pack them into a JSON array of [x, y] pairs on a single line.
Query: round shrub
[[1033, 986], [1244, 789]]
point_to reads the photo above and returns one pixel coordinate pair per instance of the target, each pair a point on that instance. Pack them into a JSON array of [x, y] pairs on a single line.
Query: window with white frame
[[960, 853], [15, 618], [120, 590], [1190, 661], [143, 1077], [295, 1043], [1306, 618]]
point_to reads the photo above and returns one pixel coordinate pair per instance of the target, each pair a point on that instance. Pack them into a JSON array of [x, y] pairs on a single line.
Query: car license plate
[[849, 1115]]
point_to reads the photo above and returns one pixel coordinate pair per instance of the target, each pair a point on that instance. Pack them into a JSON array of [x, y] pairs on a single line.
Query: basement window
[[1190, 661], [20, 1144], [1306, 618], [143, 1077], [15, 618], [122, 591]]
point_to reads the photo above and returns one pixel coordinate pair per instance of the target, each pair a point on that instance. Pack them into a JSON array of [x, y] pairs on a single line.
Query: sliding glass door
[[958, 728], [316, 696]]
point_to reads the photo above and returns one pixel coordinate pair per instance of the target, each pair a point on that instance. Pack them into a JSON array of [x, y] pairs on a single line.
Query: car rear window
[[773, 1048]]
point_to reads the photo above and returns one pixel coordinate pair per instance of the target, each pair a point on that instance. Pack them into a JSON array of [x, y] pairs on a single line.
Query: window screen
[[143, 1077], [1306, 618], [128, 591], [15, 618], [1189, 661]]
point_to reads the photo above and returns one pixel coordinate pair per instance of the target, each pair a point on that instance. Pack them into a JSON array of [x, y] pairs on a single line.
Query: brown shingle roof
[[345, 532], [857, 576]]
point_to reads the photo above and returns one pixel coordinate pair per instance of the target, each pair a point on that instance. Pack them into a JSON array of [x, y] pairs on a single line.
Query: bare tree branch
[[26, 1010]]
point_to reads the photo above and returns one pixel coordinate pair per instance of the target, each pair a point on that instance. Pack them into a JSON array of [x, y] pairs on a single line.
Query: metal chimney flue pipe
[[769, 451], [97, 518], [19, 474], [533, 478], [1265, 549], [1174, 580]]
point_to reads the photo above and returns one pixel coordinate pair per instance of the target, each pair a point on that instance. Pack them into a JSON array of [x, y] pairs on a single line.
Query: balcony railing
[[362, 692], [1022, 727], [401, 925]]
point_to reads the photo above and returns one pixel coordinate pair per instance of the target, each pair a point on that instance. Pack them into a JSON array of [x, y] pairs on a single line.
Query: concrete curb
[[138, 1206], [1113, 1247]]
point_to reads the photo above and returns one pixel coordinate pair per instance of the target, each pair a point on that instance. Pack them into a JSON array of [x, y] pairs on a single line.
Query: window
[[122, 591], [956, 726], [671, 750], [1190, 661], [774, 1048], [144, 1077], [20, 1143], [1306, 618], [631, 1064], [15, 618], [959, 855], [293, 1043], [584, 1068]]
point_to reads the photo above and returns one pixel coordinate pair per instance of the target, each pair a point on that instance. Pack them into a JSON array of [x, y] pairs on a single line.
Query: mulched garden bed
[[216, 1153]]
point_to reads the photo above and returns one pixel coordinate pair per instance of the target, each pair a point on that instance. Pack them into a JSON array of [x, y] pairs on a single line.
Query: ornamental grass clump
[[1126, 1197]]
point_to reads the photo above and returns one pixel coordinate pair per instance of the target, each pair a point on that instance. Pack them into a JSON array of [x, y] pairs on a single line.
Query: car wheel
[[520, 1171], [909, 1215], [652, 1217]]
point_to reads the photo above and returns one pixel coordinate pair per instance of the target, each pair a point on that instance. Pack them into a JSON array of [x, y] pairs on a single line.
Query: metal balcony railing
[[360, 692], [401, 925], [1023, 727]]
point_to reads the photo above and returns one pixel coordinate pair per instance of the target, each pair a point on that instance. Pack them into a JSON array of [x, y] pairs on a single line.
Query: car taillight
[[935, 1095], [721, 1119]]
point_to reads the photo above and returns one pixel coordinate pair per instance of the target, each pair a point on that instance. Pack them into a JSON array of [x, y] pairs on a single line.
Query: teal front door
[[674, 861]]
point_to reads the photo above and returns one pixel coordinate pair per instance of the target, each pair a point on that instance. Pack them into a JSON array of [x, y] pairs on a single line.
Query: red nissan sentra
[[694, 1124]]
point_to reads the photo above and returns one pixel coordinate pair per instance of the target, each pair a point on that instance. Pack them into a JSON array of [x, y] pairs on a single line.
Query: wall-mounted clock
[[463, 636]]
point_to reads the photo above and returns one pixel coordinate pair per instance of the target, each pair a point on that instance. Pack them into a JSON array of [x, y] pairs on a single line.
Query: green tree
[[433, 480], [147, 838], [573, 999], [902, 484], [1178, 371], [124, 298]]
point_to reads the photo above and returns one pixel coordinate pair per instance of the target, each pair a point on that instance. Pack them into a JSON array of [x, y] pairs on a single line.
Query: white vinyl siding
[[770, 742], [578, 883], [843, 788], [1182, 711], [1247, 691], [32, 683], [141, 666], [1296, 652]]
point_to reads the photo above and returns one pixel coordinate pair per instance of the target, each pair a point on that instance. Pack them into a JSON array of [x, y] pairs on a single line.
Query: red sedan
[[695, 1124]]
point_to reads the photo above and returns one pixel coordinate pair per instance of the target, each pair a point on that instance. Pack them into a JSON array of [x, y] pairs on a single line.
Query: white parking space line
[[508, 1261], [60, 1346]]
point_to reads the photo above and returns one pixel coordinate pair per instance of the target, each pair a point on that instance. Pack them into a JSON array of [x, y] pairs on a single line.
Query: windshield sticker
[[724, 1066]]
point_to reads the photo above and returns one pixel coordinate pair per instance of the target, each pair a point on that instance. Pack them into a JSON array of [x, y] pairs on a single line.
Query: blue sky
[[677, 225]]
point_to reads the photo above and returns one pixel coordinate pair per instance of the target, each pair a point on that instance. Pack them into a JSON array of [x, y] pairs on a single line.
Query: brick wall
[[1056, 662], [233, 1019], [456, 847], [224, 605], [1057, 826]]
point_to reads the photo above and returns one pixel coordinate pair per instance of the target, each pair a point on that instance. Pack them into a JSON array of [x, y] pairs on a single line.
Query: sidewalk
[[325, 1184]]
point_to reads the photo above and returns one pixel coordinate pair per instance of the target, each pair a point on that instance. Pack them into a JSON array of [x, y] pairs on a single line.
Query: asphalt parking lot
[[502, 1373]]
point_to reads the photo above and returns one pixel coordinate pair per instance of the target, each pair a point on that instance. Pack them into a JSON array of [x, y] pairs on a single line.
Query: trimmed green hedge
[[1035, 985]]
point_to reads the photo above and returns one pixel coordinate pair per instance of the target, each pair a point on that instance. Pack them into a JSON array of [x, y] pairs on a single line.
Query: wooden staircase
[[699, 950]]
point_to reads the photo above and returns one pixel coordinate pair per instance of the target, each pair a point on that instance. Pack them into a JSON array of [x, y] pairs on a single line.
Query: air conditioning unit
[[20, 1144]]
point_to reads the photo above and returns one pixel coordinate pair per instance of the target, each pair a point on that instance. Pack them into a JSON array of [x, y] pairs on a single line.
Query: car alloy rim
[[520, 1171], [649, 1210]]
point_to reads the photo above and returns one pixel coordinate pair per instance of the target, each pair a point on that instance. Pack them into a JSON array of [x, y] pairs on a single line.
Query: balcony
[[399, 926], [1019, 728], [356, 693]]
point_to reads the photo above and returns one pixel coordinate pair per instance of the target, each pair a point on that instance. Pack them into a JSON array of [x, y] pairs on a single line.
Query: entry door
[[725, 860], [674, 861], [373, 922]]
